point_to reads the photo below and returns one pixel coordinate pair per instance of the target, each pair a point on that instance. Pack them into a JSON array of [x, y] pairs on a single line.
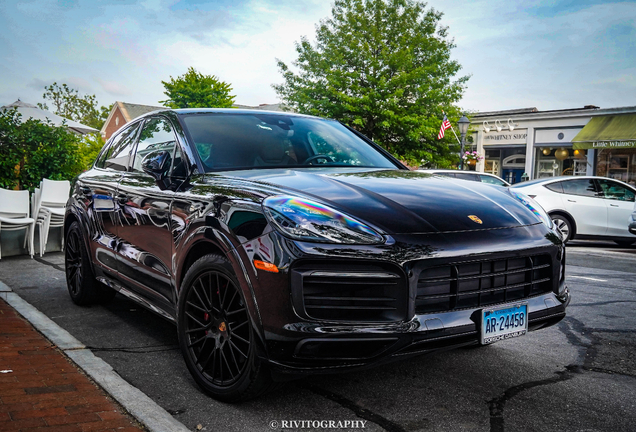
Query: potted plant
[[471, 158]]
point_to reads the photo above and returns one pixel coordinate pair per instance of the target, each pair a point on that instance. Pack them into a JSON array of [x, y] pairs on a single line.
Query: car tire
[[624, 243], [564, 225], [82, 286], [216, 333]]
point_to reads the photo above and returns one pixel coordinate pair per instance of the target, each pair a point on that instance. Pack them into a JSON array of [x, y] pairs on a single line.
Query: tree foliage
[[68, 103], [89, 147], [31, 150], [195, 90], [384, 68]]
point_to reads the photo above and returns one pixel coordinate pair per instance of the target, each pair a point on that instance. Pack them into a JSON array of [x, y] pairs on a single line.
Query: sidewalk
[[42, 390]]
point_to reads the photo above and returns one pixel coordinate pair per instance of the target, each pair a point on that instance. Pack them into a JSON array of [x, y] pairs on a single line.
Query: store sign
[[506, 137], [610, 144]]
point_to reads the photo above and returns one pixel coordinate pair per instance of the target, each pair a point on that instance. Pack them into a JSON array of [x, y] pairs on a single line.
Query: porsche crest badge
[[475, 219]]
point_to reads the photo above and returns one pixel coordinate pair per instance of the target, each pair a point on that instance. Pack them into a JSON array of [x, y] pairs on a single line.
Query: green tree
[[382, 67], [31, 150], [68, 103], [89, 147], [195, 90]]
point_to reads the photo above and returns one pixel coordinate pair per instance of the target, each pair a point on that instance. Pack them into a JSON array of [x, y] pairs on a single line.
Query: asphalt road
[[577, 376]]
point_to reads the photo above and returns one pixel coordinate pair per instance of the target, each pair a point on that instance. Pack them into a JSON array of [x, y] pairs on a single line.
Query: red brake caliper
[[206, 317]]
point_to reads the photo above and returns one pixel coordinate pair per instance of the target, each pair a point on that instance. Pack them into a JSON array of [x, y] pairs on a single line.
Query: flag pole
[[461, 156], [453, 129]]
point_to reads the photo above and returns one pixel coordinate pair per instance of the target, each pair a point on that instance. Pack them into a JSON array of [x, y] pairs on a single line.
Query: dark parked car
[[282, 245]]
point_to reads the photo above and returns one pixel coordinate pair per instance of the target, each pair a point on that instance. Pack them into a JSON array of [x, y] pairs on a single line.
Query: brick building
[[122, 113]]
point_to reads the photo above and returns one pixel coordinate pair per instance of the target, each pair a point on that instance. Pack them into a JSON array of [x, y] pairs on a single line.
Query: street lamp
[[462, 124]]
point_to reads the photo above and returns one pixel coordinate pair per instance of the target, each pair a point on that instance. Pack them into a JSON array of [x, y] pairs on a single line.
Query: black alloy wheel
[[564, 225], [80, 280], [216, 333]]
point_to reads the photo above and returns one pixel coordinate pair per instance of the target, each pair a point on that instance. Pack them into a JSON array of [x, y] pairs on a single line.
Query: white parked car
[[585, 207], [468, 175]]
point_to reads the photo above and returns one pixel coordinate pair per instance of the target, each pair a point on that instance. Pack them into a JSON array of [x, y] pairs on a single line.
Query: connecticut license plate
[[504, 323]]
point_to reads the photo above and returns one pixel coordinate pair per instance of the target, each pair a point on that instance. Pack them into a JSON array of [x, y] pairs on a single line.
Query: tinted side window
[[555, 187], [117, 155], [445, 174], [584, 187], [491, 180], [156, 135], [465, 176], [99, 163], [615, 191]]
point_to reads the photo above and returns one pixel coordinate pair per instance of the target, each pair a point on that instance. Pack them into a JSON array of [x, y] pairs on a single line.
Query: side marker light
[[262, 265]]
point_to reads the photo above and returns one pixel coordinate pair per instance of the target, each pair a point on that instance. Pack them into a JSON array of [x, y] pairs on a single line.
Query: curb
[[137, 403]]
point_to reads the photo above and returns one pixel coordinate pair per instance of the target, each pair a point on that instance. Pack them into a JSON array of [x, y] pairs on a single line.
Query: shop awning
[[607, 132]]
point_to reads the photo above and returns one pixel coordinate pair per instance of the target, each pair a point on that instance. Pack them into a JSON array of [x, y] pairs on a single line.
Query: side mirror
[[157, 164]]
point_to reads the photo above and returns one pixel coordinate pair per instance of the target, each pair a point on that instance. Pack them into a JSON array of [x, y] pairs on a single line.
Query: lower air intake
[[350, 292]]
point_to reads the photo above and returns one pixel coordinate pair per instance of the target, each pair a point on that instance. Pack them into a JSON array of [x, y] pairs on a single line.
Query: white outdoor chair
[[41, 217], [14, 214], [52, 202]]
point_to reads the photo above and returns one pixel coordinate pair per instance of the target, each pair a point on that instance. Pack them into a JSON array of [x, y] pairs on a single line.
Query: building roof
[[531, 114], [132, 111], [129, 111], [29, 111], [18, 104], [533, 110]]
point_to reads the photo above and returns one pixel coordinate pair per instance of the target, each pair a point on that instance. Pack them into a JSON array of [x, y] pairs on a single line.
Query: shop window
[[617, 163], [491, 166], [515, 161], [548, 165]]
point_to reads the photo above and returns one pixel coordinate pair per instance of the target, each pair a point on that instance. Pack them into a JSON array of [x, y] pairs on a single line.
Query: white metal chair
[[51, 206], [14, 214]]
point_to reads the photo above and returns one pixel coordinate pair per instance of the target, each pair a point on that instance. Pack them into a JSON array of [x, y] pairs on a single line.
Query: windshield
[[227, 141]]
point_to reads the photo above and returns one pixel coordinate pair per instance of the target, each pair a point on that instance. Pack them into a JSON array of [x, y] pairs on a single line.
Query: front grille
[[350, 292], [473, 284]]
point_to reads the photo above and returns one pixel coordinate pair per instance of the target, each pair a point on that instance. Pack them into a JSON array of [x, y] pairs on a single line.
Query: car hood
[[398, 201]]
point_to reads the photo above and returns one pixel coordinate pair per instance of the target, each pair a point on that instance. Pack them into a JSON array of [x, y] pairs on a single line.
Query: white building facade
[[528, 143]]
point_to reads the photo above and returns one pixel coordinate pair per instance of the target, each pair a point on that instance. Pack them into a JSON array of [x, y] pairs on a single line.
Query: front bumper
[[329, 349], [297, 344]]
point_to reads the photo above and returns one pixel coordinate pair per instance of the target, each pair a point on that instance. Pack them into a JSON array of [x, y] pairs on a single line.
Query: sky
[[519, 53]]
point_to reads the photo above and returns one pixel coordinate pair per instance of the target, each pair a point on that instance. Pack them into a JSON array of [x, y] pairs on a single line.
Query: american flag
[[445, 125]]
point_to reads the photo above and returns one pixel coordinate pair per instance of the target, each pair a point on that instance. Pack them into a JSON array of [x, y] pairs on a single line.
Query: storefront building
[[527, 143]]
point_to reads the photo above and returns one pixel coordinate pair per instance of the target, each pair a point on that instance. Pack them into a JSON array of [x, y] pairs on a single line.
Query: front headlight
[[533, 206], [302, 219]]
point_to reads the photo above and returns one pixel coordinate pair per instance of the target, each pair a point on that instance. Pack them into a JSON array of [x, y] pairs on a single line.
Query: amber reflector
[[262, 265]]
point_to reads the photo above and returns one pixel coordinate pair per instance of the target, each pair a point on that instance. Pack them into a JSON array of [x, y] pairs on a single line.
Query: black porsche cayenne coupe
[[283, 244]]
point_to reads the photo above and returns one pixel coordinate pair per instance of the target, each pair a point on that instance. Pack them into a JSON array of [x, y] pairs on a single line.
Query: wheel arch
[[72, 216], [569, 217], [196, 251]]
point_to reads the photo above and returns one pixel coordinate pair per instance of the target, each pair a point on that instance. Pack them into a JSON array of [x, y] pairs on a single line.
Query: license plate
[[504, 323]]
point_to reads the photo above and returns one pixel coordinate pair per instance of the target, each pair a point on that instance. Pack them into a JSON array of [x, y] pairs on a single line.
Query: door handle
[[614, 205], [571, 200]]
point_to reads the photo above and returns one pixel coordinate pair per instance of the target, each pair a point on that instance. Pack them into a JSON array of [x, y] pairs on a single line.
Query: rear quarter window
[[555, 187]]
